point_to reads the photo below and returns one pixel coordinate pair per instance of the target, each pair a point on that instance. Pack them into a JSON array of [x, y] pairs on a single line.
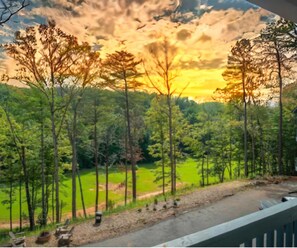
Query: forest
[[78, 110]]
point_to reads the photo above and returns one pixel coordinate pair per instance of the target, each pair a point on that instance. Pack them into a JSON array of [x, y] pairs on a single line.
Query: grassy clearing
[[187, 172]]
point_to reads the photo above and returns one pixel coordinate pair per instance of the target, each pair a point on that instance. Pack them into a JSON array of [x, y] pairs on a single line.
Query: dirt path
[[91, 210]]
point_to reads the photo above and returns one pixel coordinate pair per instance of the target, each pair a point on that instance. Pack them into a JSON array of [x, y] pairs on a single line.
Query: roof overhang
[[284, 8]]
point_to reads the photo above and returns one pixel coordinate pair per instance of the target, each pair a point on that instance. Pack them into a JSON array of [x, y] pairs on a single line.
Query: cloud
[[204, 38], [228, 25], [109, 22], [203, 31], [183, 34], [206, 64]]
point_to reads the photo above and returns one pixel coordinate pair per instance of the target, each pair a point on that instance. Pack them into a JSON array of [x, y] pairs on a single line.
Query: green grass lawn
[[187, 172]]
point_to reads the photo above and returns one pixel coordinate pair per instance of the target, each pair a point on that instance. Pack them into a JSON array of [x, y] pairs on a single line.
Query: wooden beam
[[284, 8]]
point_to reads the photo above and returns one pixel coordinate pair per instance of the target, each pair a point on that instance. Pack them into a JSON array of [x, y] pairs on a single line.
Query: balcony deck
[[191, 220], [272, 227]]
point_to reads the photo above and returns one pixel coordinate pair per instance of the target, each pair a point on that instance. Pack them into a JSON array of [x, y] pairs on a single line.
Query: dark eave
[[284, 8]]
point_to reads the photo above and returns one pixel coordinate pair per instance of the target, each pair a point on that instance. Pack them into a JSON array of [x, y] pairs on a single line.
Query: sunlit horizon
[[203, 32]]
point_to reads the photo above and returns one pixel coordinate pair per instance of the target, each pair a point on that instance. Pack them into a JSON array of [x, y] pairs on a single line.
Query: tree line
[[80, 109]]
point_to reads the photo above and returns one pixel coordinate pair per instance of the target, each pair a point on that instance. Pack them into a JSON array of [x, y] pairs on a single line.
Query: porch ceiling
[[284, 8]]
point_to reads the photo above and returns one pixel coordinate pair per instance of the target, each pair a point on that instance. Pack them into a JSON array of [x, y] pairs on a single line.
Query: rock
[[228, 195], [139, 210]]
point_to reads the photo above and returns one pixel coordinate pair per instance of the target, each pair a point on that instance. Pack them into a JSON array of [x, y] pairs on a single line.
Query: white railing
[[274, 226]]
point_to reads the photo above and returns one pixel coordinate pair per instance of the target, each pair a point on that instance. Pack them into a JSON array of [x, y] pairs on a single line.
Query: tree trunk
[[72, 137], [222, 176], [53, 199], [20, 204], [22, 157], [43, 211], [73, 140], [171, 144], [56, 165], [81, 193], [202, 172], [74, 166], [28, 197], [262, 162], [280, 129], [253, 155], [130, 141], [174, 160], [230, 156], [246, 170], [106, 175], [33, 192], [96, 156], [238, 167], [47, 193], [207, 170], [163, 161], [10, 203], [126, 169]]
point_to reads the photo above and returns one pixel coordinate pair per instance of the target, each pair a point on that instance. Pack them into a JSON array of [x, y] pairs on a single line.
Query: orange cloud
[[203, 42]]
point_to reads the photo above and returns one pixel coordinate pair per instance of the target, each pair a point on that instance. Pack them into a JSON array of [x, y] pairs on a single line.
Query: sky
[[203, 31]]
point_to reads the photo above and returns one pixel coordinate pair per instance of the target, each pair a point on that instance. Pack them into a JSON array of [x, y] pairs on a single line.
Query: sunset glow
[[203, 31]]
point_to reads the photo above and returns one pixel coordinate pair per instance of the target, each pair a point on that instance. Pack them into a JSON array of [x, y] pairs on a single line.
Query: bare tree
[[86, 72], [9, 8], [47, 58], [275, 42], [19, 143], [161, 71], [243, 77], [122, 73]]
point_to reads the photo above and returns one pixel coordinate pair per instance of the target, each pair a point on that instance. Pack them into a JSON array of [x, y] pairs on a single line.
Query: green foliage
[[156, 120]]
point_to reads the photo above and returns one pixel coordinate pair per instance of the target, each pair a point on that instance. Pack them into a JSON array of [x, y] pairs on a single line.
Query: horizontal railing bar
[[240, 230]]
